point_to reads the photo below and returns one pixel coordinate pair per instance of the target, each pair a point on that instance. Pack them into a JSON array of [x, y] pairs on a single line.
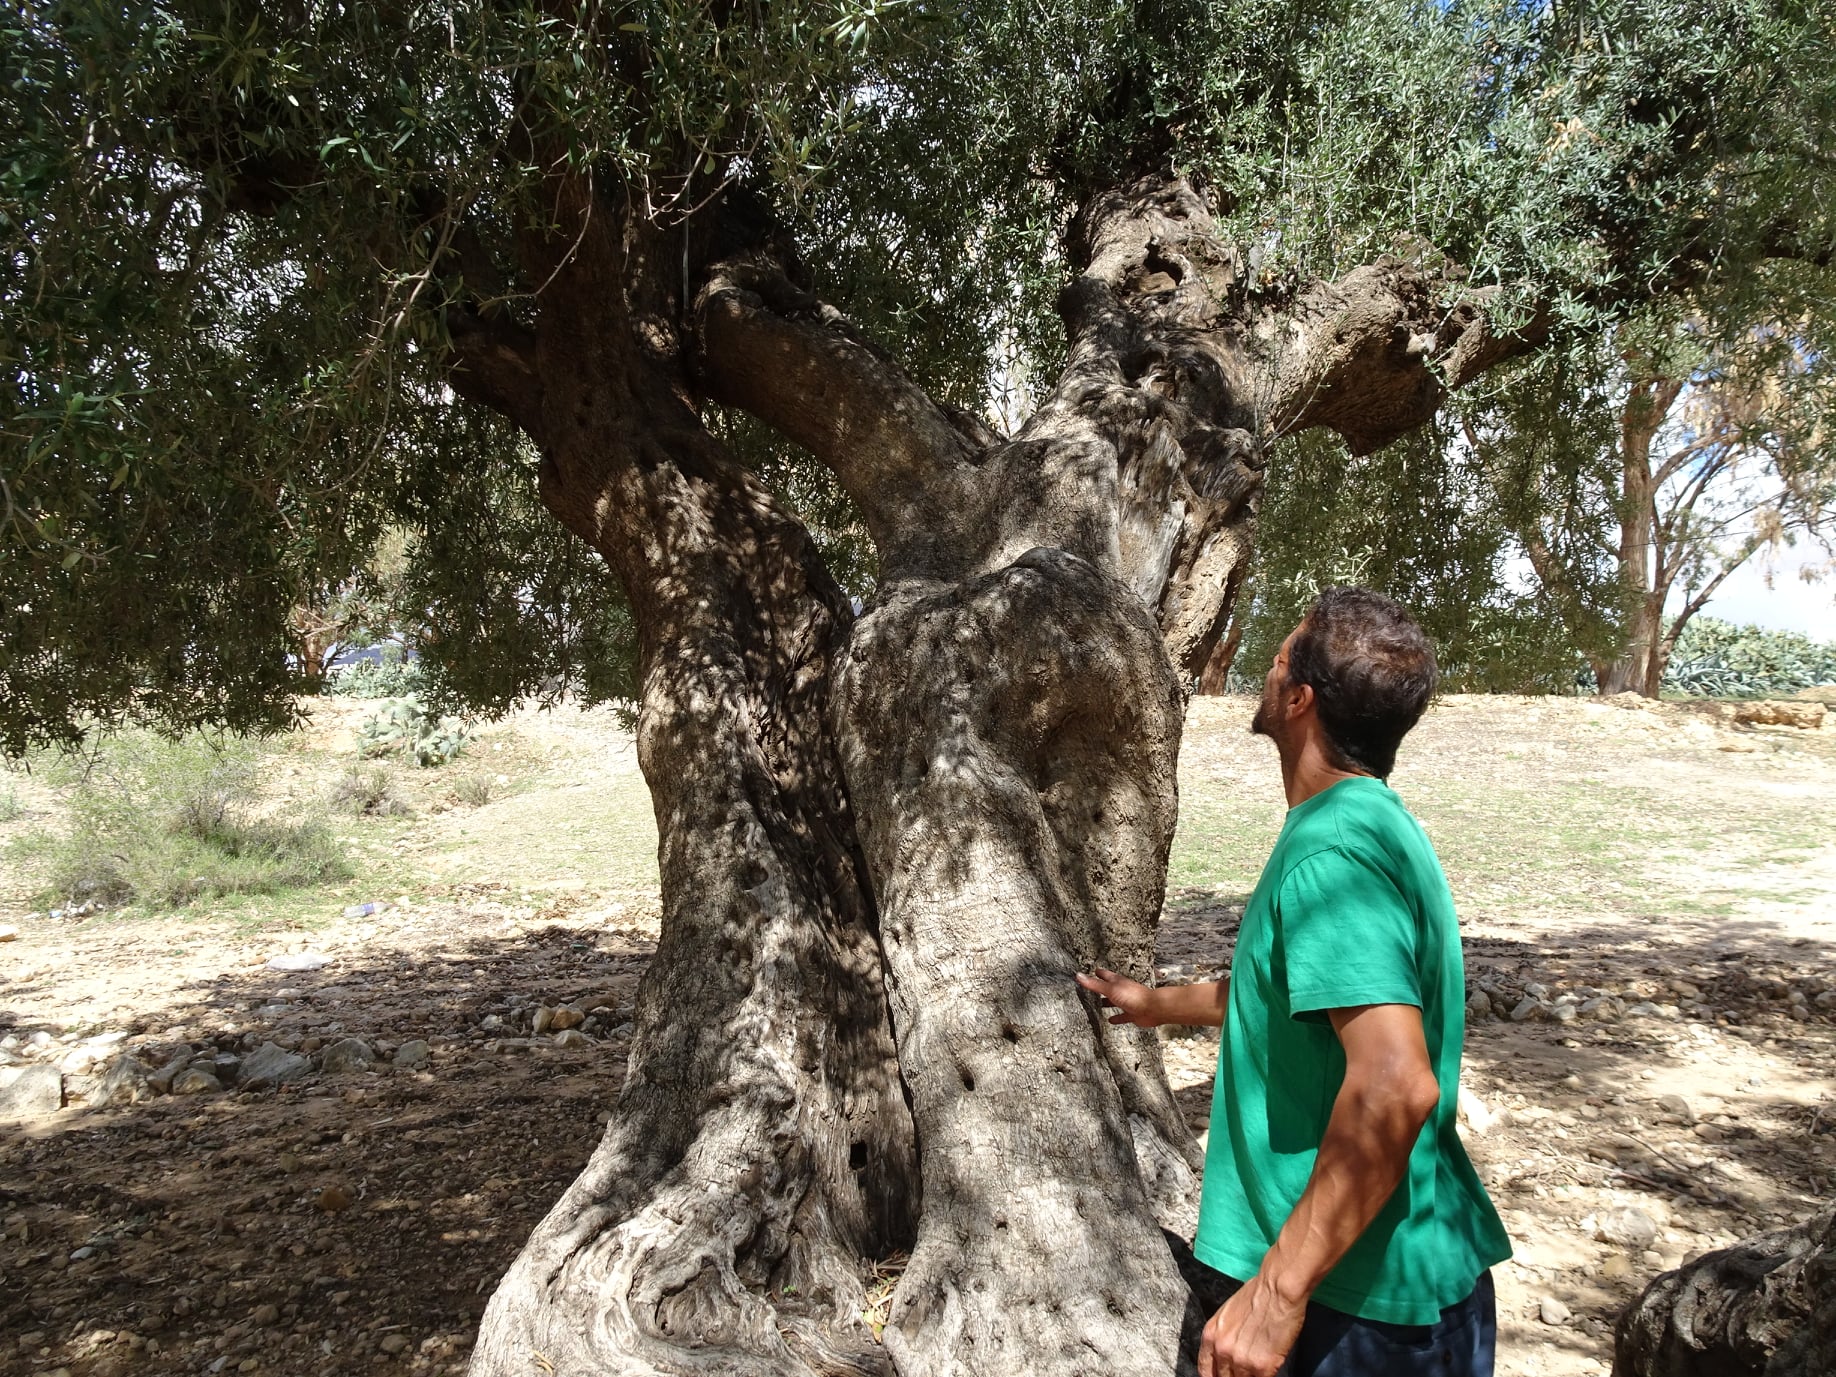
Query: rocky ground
[[297, 1142]]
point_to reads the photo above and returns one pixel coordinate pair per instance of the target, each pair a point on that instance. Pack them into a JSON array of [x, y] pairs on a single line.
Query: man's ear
[[1300, 699]]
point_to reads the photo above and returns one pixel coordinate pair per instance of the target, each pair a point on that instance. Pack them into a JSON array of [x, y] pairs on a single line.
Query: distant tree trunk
[[1214, 679], [886, 848], [1645, 570], [1764, 1308]]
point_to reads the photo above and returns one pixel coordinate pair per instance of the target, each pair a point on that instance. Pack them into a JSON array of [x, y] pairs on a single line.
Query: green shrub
[[1716, 659], [368, 790], [163, 823], [404, 726], [392, 677]]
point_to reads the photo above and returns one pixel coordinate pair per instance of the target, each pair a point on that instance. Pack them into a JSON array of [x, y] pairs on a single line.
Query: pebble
[[571, 1037], [412, 1054], [393, 1343], [1527, 1008], [271, 1065], [333, 1198], [35, 1090], [1479, 1006], [543, 1017], [1629, 1227], [266, 1315], [9, 934], [1552, 1311], [126, 1081], [567, 1016], [1615, 1266], [347, 1054], [195, 1080], [1677, 1106]]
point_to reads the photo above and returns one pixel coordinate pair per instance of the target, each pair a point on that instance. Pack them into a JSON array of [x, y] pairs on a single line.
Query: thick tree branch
[[493, 363], [772, 349], [1373, 354]]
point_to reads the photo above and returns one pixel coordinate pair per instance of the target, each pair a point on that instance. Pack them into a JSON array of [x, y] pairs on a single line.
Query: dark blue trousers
[[1463, 1343]]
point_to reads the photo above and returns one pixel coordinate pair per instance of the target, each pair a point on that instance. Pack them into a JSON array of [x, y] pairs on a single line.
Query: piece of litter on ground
[[298, 961]]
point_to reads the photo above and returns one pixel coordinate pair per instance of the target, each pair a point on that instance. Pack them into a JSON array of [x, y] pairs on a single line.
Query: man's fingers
[[1123, 1017]]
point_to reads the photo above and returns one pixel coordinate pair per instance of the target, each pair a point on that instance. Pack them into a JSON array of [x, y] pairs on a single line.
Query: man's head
[[1361, 665]]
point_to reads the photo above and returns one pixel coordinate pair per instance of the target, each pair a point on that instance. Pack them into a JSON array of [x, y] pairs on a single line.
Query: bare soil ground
[[1651, 891]]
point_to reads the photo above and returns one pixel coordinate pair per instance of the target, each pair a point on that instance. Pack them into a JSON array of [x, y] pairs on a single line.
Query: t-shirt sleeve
[[1348, 936]]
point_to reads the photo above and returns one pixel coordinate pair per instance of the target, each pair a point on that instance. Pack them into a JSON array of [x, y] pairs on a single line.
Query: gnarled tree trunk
[[910, 832], [1764, 1308]]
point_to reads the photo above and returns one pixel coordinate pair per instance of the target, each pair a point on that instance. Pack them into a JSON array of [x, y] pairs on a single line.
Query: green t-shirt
[[1352, 908]]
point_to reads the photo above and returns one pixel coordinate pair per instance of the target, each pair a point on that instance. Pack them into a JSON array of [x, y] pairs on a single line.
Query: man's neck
[[1307, 770]]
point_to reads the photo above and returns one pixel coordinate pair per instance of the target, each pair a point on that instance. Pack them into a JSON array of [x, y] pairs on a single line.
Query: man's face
[[1271, 719]]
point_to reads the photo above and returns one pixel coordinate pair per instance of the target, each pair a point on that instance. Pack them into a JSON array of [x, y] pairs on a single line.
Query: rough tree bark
[[1764, 1308], [910, 832], [761, 1146]]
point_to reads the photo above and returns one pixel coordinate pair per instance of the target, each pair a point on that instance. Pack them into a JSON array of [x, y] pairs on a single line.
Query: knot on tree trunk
[[1765, 1307]]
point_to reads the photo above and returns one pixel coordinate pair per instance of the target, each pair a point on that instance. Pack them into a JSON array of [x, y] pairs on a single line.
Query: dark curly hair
[[1372, 672]]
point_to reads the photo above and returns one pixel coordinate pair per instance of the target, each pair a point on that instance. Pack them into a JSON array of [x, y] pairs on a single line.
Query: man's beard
[[1268, 714]]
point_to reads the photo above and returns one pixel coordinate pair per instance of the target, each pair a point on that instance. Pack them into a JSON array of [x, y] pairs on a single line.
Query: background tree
[[280, 279], [1638, 485]]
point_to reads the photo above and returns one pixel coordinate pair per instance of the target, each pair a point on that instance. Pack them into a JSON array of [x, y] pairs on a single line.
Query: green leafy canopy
[[231, 237]]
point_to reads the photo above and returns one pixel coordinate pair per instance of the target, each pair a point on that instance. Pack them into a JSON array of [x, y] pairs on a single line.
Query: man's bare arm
[[1150, 1006], [1387, 1095]]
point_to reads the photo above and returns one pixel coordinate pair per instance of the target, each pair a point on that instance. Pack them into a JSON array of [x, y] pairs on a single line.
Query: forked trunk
[[1005, 718]]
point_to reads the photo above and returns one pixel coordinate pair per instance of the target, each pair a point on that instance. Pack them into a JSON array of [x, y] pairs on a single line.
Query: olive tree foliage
[[666, 331], [238, 240]]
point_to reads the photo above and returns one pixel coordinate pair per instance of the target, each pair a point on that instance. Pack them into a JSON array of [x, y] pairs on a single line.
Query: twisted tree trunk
[[1764, 1308], [911, 832]]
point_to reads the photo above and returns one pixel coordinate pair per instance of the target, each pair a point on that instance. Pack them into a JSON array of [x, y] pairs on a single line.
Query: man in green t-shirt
[[1351, 1233]]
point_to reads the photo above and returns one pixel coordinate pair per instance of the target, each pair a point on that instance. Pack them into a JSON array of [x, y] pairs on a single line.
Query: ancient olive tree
[[654, 285]]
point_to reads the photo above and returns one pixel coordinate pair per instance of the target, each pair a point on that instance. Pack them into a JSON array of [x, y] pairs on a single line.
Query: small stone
[[1604, 1008], [1564, 1013], [348, 1054], [333, 1198], [270, 1065], [226, 1067], [125, 1081], [567, 1016], [413, 1054], [83, 1254], [1552, 1311], [1651, 1257], [1479, 1006], [1527, 1008], [571, 1037], [1678, 1107], [1644, 1009], [35, 1090], [393, 1343], [1630, 1228], [1474, 1113], [1710, 1133], [599, 1003], [196, 1080], [544, 1016], [265, 1315], [9, 933], [1615, 1266]]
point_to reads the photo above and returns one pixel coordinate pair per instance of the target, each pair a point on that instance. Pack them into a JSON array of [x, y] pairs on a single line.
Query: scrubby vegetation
[[162, 823], [1716, 659], [407, 727]]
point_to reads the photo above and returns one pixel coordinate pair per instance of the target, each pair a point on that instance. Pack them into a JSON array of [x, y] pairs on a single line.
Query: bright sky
[[1790, 604]]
